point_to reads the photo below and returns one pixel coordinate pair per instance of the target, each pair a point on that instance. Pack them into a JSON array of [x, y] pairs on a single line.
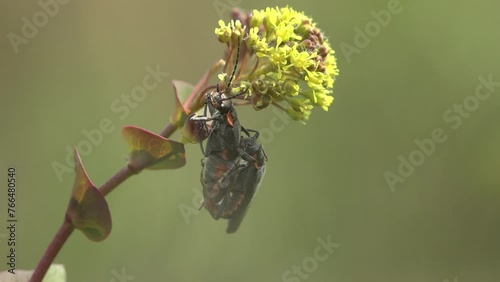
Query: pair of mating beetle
[[233, 165]]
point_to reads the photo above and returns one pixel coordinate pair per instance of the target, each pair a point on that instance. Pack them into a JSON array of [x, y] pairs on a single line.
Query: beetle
[[222, 150], [226, 128], [238, 184], [248, 179], [233, 166]]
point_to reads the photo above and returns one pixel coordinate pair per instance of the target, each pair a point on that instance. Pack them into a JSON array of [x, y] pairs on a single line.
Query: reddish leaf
[[195, 102], [88, 211], [152, 151], [182, 92]]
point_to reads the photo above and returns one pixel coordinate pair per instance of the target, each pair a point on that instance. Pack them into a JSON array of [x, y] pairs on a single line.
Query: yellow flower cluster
[[286, 60]]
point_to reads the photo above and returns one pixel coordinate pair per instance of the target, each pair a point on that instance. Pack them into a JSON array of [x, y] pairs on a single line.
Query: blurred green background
[[323, 180]]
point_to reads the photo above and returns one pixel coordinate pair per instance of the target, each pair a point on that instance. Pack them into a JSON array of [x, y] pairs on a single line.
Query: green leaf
[[88, 211], [56, 273], [152, 151]]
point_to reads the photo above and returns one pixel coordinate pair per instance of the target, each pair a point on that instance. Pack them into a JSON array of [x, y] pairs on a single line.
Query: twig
[[52, 250]]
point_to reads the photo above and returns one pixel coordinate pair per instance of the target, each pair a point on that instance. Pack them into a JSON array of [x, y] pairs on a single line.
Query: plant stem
[[67, 228], [115, 180], [168, 130], [192, 103], [52, 250]]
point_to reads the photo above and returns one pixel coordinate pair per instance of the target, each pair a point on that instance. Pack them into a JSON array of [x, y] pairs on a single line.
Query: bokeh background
[[324, 180]]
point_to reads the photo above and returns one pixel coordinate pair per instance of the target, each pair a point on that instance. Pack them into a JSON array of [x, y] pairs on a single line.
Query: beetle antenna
[[235, 65]]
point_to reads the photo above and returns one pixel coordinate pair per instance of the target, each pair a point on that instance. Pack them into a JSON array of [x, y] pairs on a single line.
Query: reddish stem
[[115, 180], [52, 250], [168, 130]]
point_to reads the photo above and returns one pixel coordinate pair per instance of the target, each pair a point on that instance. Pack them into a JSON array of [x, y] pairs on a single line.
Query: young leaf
[[182, 92], [88, 211], [152, 151], [197, 99]]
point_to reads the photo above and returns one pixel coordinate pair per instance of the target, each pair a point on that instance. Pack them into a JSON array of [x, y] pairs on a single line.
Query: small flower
[[223, 32], [231, 32], [278, 57], [323, 100], [301, 60], [314, 80], [287, 61], [256, 18], [270, 19], [291, 88], [284, 32], [256, 43]]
